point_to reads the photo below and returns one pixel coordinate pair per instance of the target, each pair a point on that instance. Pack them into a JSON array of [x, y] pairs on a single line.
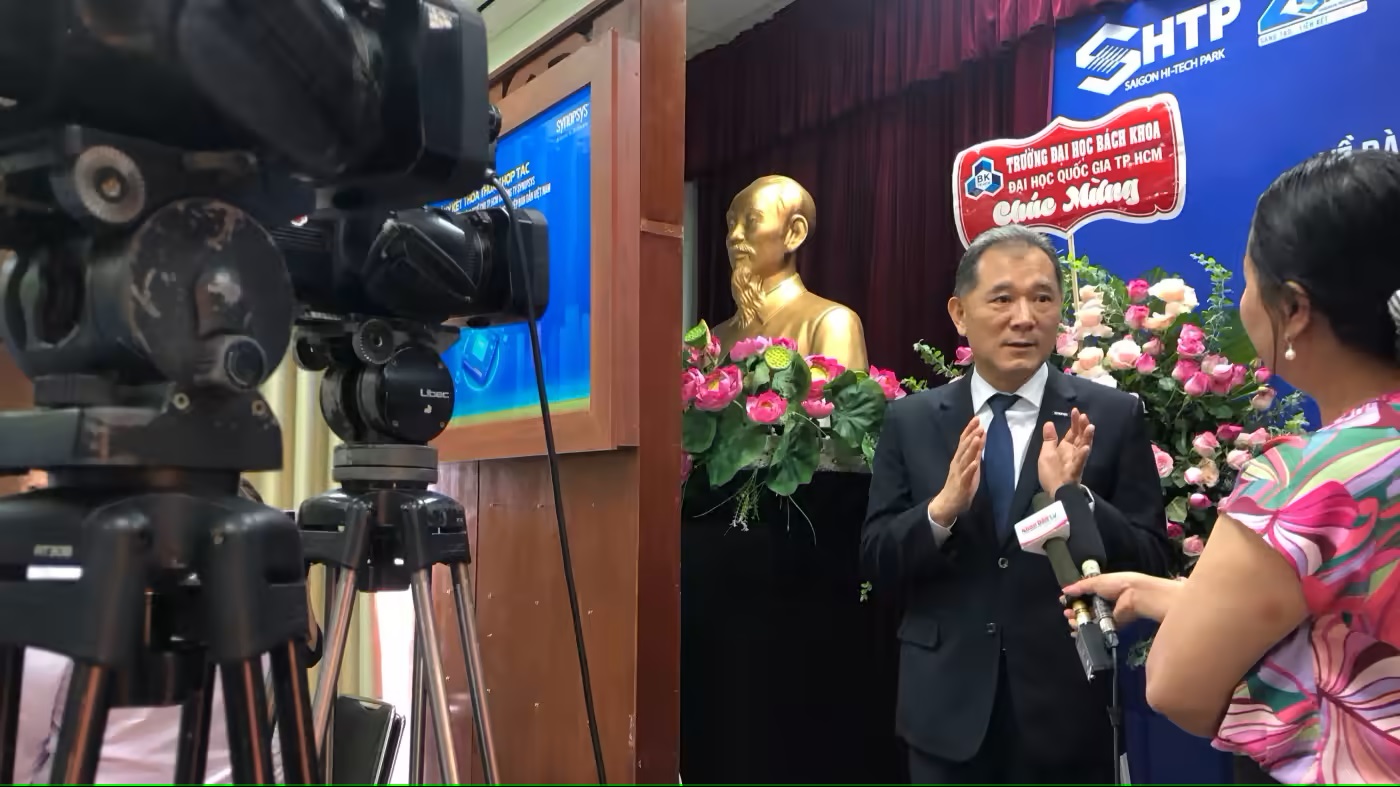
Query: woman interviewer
[[1284, 644]]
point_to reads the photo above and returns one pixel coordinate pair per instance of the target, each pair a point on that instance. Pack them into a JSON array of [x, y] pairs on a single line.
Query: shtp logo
[[1287, 18], [1116, 53]]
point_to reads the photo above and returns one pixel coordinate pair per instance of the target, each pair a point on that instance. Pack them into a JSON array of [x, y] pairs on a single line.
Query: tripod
[[384, 529], [144, 354]]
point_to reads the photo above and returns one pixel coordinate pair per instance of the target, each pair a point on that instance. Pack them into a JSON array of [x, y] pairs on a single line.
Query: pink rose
[[1262, 375], [1164, 461], [1205, 444], [687, 464], [1199, 501], [1174, 530], [1192, 333], [1089, 359], [888, 382], [1153, 347], [1228, 433], [1210, 472], [721, 387], [1193, 545], [1145, 364], [766, 408], [1197, 385], [1158, 322], [1123, 353], [1136, 315], [1193, 476], [1238, 376], [818, 408], [1137, 290], [1263, 399], [1184, 369], [746, 347], [1238, 458], [691, 380], [963, 356], [1066, 344], [1255, 439], [1089, 316], [1190, 348], [783, 341]]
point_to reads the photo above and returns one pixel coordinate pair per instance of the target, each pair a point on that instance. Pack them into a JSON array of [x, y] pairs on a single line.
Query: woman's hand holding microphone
[[1133, 595]]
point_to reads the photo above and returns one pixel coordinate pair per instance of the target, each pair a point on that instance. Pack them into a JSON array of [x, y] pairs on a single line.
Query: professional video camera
[[180, 181]]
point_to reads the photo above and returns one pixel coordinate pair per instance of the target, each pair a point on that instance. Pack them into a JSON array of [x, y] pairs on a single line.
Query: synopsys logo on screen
[[1120, 55], [1288, 18], [571, 122]]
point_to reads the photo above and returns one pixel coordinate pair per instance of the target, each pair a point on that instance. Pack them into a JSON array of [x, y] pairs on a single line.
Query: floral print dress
[[1324, 705]]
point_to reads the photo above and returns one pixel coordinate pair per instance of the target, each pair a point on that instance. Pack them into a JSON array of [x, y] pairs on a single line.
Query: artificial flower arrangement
[[1209, 406], [765, 409]]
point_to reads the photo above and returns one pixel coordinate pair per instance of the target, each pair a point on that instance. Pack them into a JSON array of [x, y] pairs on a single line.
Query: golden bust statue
[[768, 221]]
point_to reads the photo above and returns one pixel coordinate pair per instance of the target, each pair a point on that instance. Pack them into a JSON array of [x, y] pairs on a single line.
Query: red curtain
[[868, 127]]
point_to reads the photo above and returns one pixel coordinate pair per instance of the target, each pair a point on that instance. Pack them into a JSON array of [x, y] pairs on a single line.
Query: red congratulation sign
[[1129, 165]]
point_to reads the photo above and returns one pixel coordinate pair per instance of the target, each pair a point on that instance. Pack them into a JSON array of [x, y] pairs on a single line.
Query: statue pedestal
[[786, 675]]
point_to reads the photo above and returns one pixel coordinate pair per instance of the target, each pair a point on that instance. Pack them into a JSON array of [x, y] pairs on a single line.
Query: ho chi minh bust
[[768, 222]]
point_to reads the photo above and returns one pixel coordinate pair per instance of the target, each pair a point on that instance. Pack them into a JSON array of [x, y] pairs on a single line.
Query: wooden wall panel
[[16, 393]]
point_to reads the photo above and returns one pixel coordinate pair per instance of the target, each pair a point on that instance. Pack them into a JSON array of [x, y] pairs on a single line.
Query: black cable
[[1115, 717], [533, 324]]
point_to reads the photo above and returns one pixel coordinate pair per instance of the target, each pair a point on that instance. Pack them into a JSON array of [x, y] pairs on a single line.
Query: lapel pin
[[1061, 415]]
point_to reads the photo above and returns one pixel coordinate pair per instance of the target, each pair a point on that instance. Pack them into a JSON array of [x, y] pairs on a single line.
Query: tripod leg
[[338, 625], [417, 774], [249, 737], [299, 761], [11, 678], [84, 723], [435, 679], [476, 678], [192, 752]]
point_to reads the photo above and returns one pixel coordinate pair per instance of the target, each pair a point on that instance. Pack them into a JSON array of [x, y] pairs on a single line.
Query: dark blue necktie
[[999, 464]]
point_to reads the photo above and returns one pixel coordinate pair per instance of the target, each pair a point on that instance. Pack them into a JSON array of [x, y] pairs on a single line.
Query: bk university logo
[[1287, 18], [984, 179]]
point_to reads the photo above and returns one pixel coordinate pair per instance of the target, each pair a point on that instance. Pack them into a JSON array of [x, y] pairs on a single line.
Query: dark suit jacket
[[976, 596]]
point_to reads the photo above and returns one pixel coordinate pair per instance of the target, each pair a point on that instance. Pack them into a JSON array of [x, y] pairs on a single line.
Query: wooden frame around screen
[[613, 174]]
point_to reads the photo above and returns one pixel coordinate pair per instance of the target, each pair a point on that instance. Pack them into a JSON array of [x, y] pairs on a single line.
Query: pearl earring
[[1289, 354]]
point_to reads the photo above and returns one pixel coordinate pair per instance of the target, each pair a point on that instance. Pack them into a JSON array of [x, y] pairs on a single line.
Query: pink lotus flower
[[1193, 476], [1174, 530], [1184, 369], [1205, 444], [1199, 501], [1153, 347], [1228, 433], [888, 382], [783, 341], [1193, 545], [1255, 439], [721, 387], [1123, 353], [696, 356], [1164, 461], [712, 349], [1136, 315], [818, 408], [766, 408], [1197, 385], [1262, 375], [747, 347], [1137, 290], [824, 370], [963, 356], [687, 465], [1238, 458], [1066, 343], [1263, 399], [691, 380], [1145, 364]]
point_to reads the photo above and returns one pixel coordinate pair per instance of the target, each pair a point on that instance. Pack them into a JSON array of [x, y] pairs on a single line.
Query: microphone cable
[[537, 356]]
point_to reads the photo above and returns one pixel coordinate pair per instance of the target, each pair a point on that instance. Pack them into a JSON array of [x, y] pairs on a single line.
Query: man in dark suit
[[990, 685]]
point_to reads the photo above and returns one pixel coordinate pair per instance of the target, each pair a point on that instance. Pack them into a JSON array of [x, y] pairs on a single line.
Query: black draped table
[[786, 675]]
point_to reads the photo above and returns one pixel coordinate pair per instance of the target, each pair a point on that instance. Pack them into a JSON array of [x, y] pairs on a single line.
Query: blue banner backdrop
[[545, 165], [1262, 85]]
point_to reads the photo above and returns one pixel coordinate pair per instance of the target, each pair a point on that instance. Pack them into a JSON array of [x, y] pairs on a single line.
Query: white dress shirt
[[1021, 418]]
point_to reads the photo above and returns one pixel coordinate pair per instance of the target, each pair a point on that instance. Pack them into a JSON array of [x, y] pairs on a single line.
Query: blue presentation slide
[[544, 164]]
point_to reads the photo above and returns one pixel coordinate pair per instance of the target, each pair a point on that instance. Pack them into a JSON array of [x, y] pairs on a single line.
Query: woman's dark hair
[[248, 491], [1329, 226]]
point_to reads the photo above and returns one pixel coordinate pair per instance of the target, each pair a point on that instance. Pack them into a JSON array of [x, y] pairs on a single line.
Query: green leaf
[[1234, 342], [795, 459], [738, 443], [1177, 510], [843, 381], [759, 378], [793, 382], [1166, 384], [698, 430], [1222, 411], [860, 410], [867, 448]]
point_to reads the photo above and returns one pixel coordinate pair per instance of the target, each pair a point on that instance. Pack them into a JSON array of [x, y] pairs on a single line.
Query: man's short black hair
[[1011, 234]]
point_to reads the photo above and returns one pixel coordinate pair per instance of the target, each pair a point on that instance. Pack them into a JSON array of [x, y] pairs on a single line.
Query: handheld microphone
[[1047, 532], [1087, 550]]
